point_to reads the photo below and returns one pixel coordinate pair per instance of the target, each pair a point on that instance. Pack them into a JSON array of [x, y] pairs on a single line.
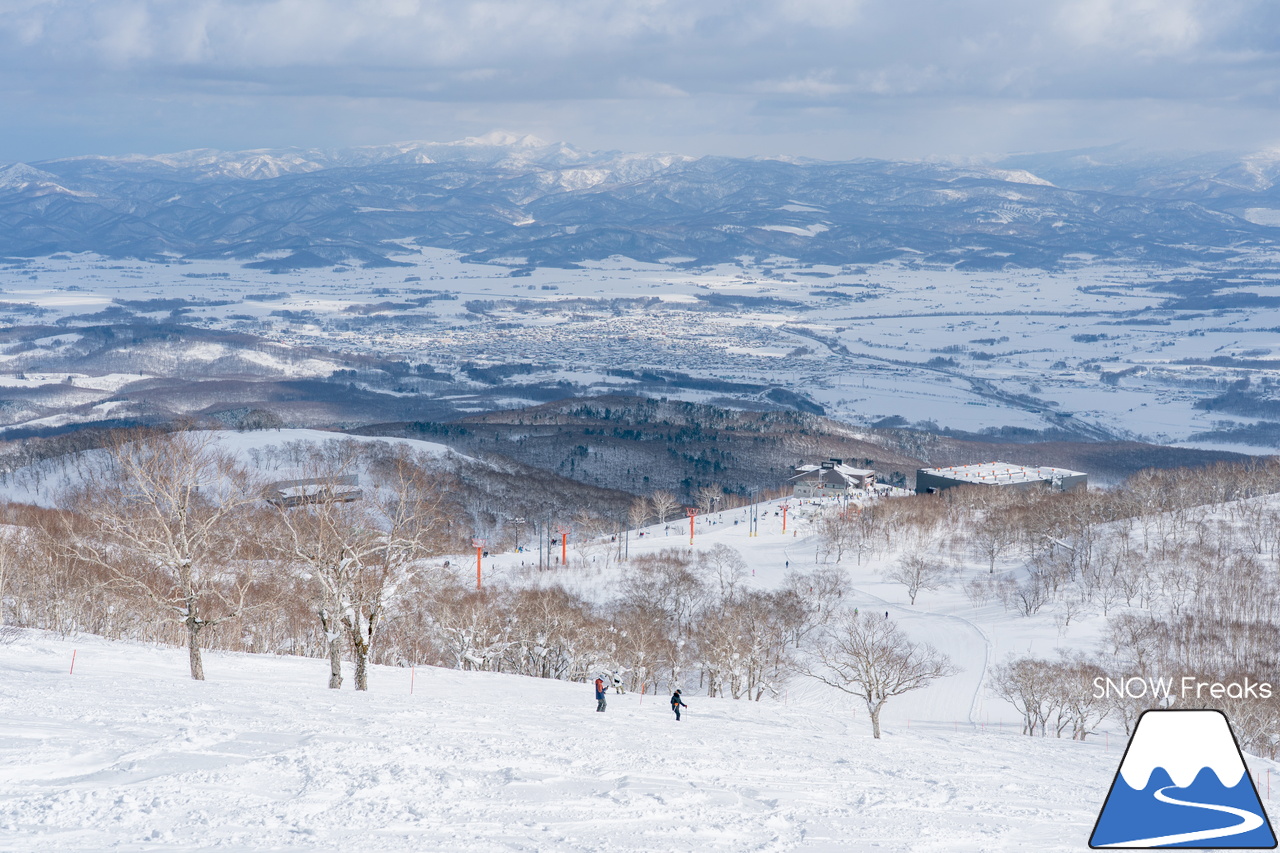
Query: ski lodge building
[[933, 480], [830, 479], [291, 493]]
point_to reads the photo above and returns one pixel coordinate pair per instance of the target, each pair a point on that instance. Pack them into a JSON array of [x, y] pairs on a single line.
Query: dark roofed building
[[321, 490], [930, 480]]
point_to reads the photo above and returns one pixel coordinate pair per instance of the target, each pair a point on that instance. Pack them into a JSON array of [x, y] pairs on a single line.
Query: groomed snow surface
[[129, 754]]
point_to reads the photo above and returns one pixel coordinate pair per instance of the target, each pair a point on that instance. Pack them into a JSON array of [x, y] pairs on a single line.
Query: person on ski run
[[677, 703], [600, 694], [617, 682]]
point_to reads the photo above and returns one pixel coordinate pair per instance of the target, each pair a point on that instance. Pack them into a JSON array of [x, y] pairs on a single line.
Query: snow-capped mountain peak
[[504, 138], [18, 175]]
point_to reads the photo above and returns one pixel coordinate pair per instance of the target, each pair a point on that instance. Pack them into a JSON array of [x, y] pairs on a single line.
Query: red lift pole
[[479, 546], [564, 545], [693, 511], [785, 507]]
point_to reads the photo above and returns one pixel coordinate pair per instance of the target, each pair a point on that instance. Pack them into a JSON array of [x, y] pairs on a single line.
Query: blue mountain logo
[[1183, 783]]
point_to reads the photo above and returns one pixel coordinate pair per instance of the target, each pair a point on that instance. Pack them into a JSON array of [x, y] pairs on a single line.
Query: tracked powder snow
[[129, 754]]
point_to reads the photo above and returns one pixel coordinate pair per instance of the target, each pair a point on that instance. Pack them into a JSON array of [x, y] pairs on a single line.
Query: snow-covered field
[[1101, 346], [129, 754]]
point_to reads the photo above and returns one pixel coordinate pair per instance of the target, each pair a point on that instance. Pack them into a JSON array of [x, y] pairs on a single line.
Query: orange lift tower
[[785, 507], [693, 513], [564, 544], [478, 544]]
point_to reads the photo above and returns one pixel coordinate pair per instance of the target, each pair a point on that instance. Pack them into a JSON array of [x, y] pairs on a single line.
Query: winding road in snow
[[948, 699]]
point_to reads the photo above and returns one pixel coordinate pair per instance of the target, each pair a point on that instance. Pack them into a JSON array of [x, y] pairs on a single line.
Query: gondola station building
[[933, 480], [831, 479]]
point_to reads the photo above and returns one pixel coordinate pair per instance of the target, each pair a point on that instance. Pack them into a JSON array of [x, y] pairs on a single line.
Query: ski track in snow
[[128, 754], [946, 699]]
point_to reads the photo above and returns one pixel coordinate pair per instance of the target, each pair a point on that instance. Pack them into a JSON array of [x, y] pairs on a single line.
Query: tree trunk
[[4, 563], [875, 718], [193, 648], [361, 642], [333, 634], [362, 672], [335, 662]]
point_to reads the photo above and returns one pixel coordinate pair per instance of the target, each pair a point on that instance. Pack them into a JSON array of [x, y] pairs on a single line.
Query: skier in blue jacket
[[600, 703], [677, 703]]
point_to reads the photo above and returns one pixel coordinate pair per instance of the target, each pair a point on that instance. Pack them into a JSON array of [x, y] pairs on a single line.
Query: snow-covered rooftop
[[1000, 472], [846, 471]]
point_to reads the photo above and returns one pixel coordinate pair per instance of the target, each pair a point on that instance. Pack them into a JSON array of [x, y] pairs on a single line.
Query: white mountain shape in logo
[[1183, 743], [1200, 795]]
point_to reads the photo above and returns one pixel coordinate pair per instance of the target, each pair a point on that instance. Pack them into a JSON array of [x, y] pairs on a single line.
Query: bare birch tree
[[707, 498], [995, 534], [1028, 685], [321, 537], [645, 643], [400, 525], [664, 503], [866, 656], [639, 512], [8, 548], [916, 572], [168, 516], [670, 580], [726, 566]]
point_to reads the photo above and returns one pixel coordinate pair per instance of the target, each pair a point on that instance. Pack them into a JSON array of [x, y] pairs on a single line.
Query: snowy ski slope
[[129, 754]]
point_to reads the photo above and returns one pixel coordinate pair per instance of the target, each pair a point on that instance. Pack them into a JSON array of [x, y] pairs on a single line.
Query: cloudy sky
[[824, 78]]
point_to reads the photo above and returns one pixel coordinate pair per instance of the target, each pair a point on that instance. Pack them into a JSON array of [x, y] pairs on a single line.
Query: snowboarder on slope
[[600, 694], [677, 703], [617, 682]]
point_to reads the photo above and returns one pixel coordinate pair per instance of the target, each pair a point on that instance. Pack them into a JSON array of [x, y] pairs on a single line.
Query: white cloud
[[815, 85], [639, 87], [805, 64], [1153, 27]]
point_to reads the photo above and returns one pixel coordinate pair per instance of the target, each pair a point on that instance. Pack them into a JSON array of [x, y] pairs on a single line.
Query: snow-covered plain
[[1102, 345]]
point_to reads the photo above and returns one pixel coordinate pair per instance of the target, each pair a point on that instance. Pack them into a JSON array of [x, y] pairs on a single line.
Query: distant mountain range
[[520, 201]]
